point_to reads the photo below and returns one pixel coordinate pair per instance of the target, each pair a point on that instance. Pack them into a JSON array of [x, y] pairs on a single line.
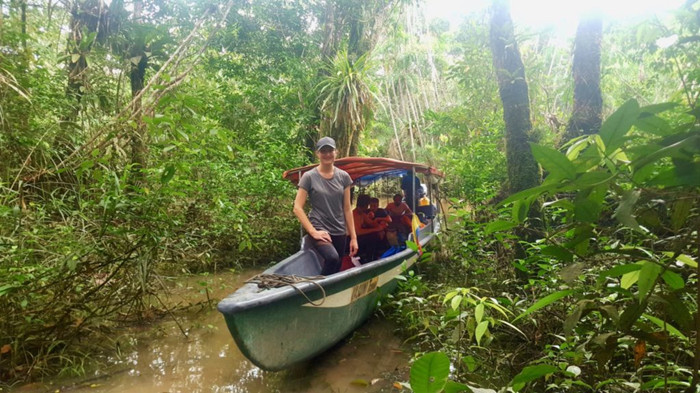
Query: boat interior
[[307, 262]]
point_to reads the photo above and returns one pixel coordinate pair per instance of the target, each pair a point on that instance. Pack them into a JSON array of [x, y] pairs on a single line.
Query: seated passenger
[[412, 189], [370, 239], [377, 215], [400, 214]]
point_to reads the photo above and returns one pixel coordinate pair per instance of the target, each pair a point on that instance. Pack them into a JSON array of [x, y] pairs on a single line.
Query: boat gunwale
[[233, 303]]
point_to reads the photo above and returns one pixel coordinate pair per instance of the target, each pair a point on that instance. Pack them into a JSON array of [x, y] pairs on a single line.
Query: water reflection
[[208, 360]]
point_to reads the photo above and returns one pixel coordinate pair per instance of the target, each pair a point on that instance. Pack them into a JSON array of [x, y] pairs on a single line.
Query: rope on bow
[[267, 281]]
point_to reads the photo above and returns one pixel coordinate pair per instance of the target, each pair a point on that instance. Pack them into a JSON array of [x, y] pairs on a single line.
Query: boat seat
[[306, 263]]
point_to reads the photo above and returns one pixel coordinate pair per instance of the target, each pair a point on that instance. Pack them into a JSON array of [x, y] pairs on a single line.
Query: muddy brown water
[[208, 360]]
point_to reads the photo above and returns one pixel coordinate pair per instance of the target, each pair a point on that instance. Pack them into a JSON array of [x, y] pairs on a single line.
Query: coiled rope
[[267, 281]]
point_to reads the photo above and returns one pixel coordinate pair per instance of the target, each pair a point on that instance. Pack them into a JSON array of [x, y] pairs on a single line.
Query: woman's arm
[[349, 222], [299, 203]]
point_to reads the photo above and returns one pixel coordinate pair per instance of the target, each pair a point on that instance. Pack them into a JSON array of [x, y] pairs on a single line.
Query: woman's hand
[[353, 246], [322, 236]]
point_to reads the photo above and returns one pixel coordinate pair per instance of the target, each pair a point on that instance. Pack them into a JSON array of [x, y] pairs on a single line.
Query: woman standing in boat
[[330, 220]]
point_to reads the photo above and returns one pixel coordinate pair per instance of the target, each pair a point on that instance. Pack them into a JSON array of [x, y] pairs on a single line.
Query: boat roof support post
[[301, 227], [413, 189]]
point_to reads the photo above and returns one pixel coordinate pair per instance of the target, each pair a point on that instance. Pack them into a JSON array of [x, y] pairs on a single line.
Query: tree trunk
[[86, 16], [409, 122], [422, 90], [2, 20], [76, 58], [137, 75], [23, 19], [523, 171], [400, 109], [412, 105], [393, 120], [588, 101]]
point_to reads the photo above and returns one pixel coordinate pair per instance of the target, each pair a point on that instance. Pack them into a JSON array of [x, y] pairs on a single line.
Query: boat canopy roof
[[366, 170]]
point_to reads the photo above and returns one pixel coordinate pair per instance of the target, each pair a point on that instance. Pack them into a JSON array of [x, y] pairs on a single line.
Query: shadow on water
[[208, 360]]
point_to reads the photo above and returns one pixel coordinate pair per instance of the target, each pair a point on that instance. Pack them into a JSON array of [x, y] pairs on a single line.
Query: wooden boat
[[278, 327]]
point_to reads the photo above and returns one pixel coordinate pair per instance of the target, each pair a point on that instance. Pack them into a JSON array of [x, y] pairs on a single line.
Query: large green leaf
[[588, 179], [530, 373], [665, 325], [500, 225], [653, 125], [577, 147], [686, 259], [479, 312], [573, 318], [676, 308], [544, 302], [666, 151], [587, 210], [554, 162], [647, 278], [615, 127], [680, 211], [456, 387], [629, 279], [167, 174], [558, 252], [429, 373], [481, 329], [624, 210], [520, 209], [618, 271], [534, 191], [657, 108], [672, 177], [630, 315], [673, 280]]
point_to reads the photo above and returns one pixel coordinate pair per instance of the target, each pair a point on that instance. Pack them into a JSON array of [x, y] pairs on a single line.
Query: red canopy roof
[[367, 169]]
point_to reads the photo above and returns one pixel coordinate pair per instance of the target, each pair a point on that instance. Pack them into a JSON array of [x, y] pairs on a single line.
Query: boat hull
[[277, 328]]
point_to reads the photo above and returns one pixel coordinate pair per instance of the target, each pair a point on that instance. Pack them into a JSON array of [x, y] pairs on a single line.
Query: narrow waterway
[[207, 360]]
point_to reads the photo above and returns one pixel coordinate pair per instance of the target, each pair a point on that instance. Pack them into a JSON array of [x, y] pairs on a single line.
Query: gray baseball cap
[[325, 141]]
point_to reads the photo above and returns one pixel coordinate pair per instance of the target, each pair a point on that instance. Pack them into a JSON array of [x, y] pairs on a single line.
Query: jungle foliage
[[606, 298], [146, 139]]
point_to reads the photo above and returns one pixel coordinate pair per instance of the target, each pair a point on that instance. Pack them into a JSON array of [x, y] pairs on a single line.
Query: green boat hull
[[279, 327]]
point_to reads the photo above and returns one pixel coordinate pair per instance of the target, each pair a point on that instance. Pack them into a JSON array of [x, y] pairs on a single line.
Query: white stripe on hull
[[348, 296]]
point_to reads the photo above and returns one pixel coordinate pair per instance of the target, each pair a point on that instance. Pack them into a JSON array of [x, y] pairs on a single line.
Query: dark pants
[[332, 253], [371, 247]]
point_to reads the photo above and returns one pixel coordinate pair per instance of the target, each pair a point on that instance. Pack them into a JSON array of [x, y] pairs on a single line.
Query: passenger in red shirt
[[400, 214]]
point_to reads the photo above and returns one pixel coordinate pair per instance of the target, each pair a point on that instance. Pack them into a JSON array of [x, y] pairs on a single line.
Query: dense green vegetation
[[148, 138]]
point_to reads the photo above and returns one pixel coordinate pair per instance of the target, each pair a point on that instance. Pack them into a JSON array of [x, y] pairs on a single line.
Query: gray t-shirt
[[326, 196]]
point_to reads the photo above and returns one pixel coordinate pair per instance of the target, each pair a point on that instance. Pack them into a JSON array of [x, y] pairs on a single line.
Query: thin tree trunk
[[354, 143], [422, 90], [412, 106], [696, 361], [23, 16], [393, 121], [76, 60], [2, 20], [49, 12], [400, 108], [435, 78], [588, 101], [409, 123]]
